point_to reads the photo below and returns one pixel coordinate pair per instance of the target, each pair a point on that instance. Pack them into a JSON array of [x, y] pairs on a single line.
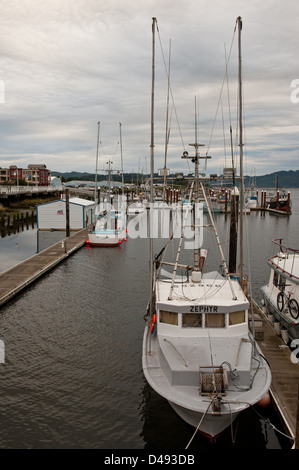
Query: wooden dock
[[17, 278], [285, 375]]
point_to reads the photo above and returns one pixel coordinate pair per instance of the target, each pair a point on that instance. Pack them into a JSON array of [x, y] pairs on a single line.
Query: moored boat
[[109, 230], [281, 294], [198, 350], [110, 227]]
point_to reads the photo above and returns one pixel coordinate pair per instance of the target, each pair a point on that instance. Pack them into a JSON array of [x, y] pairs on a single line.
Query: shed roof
[[81, 202]]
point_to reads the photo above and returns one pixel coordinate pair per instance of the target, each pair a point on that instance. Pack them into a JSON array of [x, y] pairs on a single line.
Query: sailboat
[[198, 350], [110, 227]]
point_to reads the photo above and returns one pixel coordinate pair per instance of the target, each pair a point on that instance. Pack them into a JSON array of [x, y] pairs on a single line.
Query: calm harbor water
[[73, 374]]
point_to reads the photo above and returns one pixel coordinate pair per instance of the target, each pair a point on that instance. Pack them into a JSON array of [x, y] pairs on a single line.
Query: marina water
[[72, 377]]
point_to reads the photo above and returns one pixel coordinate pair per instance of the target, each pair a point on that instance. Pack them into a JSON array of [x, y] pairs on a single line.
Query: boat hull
[[106, 239], [166, 363], [211, 426], [286, 323]]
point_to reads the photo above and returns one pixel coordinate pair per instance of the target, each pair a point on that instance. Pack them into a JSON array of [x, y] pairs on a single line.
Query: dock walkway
[[15, 279], [285, 374]]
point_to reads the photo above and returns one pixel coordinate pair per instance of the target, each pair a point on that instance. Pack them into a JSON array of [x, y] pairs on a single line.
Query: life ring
[[153, 322]]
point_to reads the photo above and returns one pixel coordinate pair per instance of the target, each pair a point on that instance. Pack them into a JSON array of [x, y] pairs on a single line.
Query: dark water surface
[[73, 375]]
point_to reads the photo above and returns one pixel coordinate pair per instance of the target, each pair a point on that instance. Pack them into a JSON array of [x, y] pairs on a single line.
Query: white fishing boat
[[251, 202], [281, 294], [110, 227], [198, 351]]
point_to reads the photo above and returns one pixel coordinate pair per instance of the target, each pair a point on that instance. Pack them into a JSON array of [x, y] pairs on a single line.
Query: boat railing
[[285, 253]]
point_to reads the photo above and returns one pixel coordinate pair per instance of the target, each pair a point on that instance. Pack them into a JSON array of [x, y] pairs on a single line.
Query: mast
[[239, 20], [167, 130], [96, 175], [195, 160], [121, 155], [152, 173]]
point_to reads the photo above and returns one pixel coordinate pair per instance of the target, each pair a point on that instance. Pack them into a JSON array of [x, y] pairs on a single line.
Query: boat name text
[[203, 309]]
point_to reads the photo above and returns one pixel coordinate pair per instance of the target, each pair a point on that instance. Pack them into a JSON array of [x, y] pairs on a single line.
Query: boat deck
[[285, 373], [15, 279]]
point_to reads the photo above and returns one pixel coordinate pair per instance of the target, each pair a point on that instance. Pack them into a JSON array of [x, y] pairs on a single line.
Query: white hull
[[106, 238], [212, 427], [281, 294], [177, 356], [186, 401]]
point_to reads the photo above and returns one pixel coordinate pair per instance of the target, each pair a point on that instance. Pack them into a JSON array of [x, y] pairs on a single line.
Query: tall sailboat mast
[[239, 20], [195, 160], [121, 155], [152, 172], [96, 176]]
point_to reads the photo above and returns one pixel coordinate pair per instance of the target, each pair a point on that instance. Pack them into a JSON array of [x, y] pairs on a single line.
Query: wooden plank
[[20, 276], [285, 374]]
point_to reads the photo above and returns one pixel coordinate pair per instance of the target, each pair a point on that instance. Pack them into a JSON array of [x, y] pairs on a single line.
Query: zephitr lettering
[[203, 309]]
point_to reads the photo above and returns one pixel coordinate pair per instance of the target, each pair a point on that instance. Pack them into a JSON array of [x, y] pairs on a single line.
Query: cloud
[[67, 65]]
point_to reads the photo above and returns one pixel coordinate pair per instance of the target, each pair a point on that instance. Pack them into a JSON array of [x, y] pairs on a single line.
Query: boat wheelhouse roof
[[286, 261], [209, 295]]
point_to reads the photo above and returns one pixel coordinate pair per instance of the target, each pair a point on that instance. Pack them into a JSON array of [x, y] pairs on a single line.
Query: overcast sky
[[66, 65]]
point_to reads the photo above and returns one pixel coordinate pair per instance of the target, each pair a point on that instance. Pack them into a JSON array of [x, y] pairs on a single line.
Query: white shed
[[52, 215]]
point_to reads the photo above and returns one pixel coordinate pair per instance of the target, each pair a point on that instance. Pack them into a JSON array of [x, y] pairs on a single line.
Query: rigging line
[[167, 111], [178, 352], [221, 90], [249, 281], [199, 424], [180, 243], [170, 88], [227, 86], [223, 130], [267, 421], [218, 243]]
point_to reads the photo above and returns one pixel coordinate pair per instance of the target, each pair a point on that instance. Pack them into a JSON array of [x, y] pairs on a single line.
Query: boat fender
[[154, 319], [265, 401]]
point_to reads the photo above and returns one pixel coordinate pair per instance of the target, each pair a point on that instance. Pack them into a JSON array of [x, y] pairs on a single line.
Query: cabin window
[[192, 320], [236, 317], [275, 278], [282, 282], [215, 320], [171, 318]]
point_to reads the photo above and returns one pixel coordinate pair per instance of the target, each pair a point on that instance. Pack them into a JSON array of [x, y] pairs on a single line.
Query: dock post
[[67, 212], [297, 424], [289, 202]]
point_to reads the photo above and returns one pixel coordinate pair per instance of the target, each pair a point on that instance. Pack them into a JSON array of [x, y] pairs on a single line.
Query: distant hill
[[284, 179]]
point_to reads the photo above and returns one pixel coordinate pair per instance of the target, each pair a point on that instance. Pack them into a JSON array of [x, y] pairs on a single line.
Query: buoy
[[265, 401], [154, 319]]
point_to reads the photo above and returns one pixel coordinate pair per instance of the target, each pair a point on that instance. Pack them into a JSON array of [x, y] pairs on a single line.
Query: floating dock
[[17, 278], [285, 374]]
